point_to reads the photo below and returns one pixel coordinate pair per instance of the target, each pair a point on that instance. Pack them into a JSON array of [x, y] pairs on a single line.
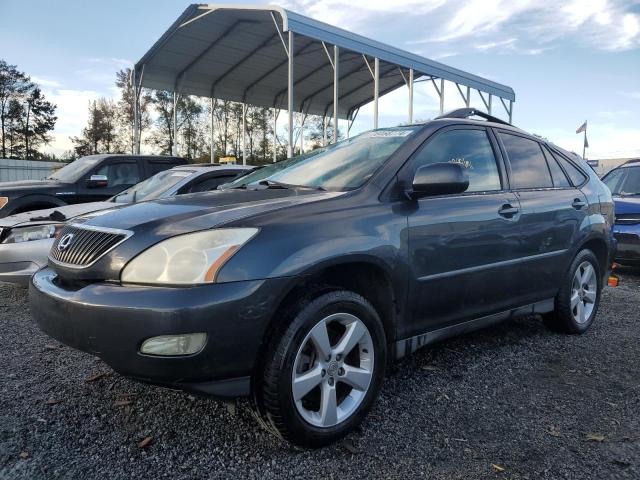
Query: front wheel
[[579, 296], [324, 370]]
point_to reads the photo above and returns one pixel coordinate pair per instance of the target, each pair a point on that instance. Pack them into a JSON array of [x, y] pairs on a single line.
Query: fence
[[13, 169]]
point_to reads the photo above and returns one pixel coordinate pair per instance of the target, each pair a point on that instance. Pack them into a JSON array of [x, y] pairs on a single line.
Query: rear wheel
[[578, 299], [324, 370]]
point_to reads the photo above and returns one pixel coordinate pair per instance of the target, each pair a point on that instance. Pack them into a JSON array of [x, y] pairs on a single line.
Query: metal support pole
[[376, 90], [244, 134], [213, 138], [410, 95], [336, 64], [468, 99], [174, 150], [275, 136], [510, 111], [325, 140], [136, 113], [301, 135], [441, 96], [290, 52], [489, 107]]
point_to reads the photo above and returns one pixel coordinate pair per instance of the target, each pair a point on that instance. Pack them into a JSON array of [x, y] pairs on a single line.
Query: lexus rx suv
[[297, 283]]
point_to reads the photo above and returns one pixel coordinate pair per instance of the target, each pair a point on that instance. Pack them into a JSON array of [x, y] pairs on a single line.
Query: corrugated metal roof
[[234, 52]]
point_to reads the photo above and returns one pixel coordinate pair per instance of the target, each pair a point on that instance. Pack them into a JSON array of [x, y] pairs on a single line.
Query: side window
[[559, 178], [613, 178], [157, 167], [121, 173], [576, 176], [209, 184], [469, 148], [528, 166]]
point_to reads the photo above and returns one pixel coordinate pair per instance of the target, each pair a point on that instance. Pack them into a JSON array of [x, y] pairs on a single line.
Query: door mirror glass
[[439, 179], [97, 181]]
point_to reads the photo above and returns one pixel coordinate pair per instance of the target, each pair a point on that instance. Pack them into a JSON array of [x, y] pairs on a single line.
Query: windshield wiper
[[274, 184]]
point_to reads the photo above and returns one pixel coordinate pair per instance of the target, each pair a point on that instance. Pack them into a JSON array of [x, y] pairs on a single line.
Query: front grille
[[85, 245]]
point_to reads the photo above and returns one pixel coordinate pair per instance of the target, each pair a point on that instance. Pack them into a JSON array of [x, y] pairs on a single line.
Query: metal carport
[[270, 57]]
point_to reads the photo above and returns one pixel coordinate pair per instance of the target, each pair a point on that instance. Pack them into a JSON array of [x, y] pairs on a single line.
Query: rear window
[[560, 180], [575, 174], [528, 165]]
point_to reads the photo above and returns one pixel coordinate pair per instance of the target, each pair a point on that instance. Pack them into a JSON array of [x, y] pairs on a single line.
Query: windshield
[[152, 187], [623, 181], [343, 166], [72, 172]]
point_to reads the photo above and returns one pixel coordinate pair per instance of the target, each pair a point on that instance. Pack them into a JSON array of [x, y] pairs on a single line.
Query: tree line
[[26, 116], [27, 120], [110, 127]]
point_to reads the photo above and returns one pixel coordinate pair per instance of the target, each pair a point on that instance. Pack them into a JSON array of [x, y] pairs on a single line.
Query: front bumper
[[628, 238], [111, 321], [19, 261]]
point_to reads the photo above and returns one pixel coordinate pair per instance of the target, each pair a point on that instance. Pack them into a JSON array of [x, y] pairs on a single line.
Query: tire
[[293, 365], [577, 301]]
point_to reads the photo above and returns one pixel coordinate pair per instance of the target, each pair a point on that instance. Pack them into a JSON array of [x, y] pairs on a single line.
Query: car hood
[[200, 211], [8, 187], [36, 217], [629, 204]]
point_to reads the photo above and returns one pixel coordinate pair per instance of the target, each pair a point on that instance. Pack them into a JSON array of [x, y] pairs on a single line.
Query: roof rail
[[470, 112]]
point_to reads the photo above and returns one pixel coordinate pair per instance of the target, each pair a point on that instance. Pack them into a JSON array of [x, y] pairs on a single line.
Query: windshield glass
[[343, 166], [72, 172], [624, 181], [152, 187]]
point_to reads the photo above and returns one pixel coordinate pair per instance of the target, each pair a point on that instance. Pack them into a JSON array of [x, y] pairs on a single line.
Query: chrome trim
[[116, 231], [479, 268]]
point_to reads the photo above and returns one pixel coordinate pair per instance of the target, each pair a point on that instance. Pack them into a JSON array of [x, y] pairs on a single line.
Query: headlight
[[187, 259], [26, 234]]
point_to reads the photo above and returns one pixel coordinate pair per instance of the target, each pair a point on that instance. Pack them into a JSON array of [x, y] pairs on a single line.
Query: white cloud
[[72, 112], [45, 82]]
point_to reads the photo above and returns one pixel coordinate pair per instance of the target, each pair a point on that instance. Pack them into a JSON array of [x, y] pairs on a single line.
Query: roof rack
[[470, 112]]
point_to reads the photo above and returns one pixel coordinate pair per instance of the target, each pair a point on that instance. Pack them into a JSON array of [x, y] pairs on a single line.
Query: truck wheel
[[579, 296], [323, 370]]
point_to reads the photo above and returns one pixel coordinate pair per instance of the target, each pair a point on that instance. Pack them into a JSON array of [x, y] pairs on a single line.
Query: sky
[[567, 61]]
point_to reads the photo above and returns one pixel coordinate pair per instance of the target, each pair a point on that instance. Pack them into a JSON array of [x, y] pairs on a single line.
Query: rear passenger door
[[462, 248], [552, 210]]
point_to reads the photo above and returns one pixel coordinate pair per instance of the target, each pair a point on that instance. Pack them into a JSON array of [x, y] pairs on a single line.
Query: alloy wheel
[[333, 370], [584, 292]]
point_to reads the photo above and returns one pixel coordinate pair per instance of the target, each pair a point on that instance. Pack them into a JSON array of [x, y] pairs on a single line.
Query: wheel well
[[599, 248]]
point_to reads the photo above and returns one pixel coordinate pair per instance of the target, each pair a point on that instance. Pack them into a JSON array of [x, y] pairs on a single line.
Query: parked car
[[88, 179], [298, 285], [624, 183], [26, 238]]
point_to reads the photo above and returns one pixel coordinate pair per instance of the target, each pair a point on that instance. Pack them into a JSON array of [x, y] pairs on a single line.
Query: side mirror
[[439, 179], [97, 181]]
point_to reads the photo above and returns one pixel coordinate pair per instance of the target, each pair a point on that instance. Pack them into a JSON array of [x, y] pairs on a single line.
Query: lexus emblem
[[65, 242]]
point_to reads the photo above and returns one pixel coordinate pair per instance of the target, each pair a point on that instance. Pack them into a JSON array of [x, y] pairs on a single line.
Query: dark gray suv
[[298, 282]]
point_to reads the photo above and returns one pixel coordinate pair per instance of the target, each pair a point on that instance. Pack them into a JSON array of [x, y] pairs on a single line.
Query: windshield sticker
[[462, 162], [387, 133]]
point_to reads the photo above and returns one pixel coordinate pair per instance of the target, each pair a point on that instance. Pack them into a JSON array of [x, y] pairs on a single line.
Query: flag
[[586, 142], [583, 128]]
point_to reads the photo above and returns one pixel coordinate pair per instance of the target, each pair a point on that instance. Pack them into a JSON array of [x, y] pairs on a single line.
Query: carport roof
[[237, 52]]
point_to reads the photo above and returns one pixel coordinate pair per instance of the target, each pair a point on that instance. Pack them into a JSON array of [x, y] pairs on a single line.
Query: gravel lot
[[512, 401]]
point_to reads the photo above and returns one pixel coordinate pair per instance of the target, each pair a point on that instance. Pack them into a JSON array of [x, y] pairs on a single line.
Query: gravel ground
[[512, 401]]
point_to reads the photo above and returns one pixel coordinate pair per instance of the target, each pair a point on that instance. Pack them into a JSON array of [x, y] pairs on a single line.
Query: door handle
[[578, 204], [508, 210]]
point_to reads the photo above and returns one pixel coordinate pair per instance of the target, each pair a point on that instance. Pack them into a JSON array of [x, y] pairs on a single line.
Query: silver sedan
[[26, 238]]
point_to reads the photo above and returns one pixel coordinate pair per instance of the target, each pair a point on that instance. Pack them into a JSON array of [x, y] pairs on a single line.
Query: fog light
[[171, 345]]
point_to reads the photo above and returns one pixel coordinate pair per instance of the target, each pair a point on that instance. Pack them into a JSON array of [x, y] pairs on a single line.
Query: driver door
[[121, 174]]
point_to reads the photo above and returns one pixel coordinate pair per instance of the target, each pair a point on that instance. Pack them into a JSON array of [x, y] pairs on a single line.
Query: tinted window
[[75, 170], [123, 173], [624, 181], [576, 176], [612, 179], [528, 166], [210, 183], [155, 167], [469, 148], [558, 176]]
